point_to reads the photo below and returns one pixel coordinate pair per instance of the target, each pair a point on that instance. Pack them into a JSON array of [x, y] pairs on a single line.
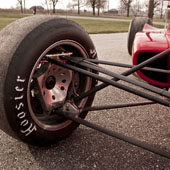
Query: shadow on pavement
[[88, 149]]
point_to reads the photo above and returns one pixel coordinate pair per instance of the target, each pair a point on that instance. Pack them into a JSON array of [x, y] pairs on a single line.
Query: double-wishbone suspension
[[111, 82], [106, 82]]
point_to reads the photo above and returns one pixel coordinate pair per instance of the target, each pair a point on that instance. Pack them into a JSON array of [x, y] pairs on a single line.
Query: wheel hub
[[50, 82], [53, 85]]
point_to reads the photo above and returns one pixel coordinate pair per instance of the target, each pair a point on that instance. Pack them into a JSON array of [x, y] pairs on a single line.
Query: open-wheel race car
[[49, 74]]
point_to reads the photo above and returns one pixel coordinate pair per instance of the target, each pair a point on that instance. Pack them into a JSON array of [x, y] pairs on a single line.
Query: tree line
[[45, 2], [126, 5], [151, 5]]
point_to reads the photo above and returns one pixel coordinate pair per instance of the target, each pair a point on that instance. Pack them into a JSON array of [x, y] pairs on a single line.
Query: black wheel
[[136, 25], [31, 87]]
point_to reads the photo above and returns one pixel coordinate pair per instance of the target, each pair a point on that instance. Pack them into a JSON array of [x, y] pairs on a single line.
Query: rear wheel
[[31, 87], [136, 25]]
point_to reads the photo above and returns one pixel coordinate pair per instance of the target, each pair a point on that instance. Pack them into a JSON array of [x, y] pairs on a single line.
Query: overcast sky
[[62, 4]]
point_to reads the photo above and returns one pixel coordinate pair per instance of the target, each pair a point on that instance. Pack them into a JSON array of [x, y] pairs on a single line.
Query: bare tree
[[54, 3], [46, 4], [152, 5], [78, 4], [100, 4], [126, 4], [93, 4], [21, 5], [137, 6], [24, 6], [161, 15], [157, 3]]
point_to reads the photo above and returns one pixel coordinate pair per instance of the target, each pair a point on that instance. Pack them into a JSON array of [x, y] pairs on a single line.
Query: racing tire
[[135, 26], [24, 74]]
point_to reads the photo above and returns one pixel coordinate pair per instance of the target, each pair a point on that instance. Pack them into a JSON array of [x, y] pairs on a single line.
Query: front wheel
[[31, 87], [135, 26]]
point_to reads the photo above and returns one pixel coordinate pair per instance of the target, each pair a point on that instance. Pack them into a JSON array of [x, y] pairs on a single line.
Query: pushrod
[[118, 76], [144, 145], [126, 73], [116, 106], [111, 82], [127, 66]]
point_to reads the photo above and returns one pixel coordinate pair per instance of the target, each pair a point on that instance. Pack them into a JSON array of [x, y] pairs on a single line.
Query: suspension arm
[[92, 66], [126, 73], [116, 106], [127, 66], [144, 145], [111, 82]]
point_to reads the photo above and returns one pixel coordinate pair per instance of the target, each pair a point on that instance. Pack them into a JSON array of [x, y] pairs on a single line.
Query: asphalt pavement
[[87, 149], [105, 19]]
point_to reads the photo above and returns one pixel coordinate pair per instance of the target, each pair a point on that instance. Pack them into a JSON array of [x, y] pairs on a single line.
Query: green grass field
[[7, 18], [91, 26], [98, 26]]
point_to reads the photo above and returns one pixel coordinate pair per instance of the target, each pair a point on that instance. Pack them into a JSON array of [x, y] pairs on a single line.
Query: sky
[[62, 4]]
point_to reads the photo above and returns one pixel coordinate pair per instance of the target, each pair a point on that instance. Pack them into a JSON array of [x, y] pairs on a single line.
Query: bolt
[[67, 105], [53, 97]]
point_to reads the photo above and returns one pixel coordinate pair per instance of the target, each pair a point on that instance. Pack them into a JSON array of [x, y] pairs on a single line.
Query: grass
[[98, 26], [159, 20], [91, 26], [7, 18], [158, 26], [5, 21], [11, 15]]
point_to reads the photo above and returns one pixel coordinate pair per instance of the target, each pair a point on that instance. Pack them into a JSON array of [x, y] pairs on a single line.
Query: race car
[[146, 41], [49, 74]]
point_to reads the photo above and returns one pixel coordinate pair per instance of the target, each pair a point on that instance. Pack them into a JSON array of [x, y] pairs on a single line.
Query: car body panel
[[151, 41]]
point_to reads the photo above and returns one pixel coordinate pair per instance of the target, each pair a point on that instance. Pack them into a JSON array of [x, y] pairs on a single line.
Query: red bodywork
[[147, 43]]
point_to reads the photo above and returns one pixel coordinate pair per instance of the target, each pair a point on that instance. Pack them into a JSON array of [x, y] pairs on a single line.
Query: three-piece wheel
[[31, 87]]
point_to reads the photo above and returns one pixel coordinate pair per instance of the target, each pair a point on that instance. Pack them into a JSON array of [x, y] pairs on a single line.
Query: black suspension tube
[[126, 73], [119, 136], [92, 91], [116, 106], [117, 76], [127, 66], [112, 82], [149, 61]]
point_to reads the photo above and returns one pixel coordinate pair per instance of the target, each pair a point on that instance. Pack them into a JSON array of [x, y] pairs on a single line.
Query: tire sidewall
[[135, 26]]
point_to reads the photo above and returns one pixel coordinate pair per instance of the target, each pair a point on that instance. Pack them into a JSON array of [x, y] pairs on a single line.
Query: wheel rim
[[50, 86]]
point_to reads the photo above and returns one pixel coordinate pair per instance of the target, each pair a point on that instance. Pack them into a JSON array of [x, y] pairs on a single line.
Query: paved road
[[89, 149], [105, 19]]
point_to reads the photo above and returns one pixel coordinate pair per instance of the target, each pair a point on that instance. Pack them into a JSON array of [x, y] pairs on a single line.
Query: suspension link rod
[[116, 106], [111, 82], [119, 136], [126, 73], [127, 66], [117, 76]]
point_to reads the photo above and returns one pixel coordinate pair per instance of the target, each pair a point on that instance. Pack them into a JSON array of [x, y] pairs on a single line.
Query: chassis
[[49, 95]]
